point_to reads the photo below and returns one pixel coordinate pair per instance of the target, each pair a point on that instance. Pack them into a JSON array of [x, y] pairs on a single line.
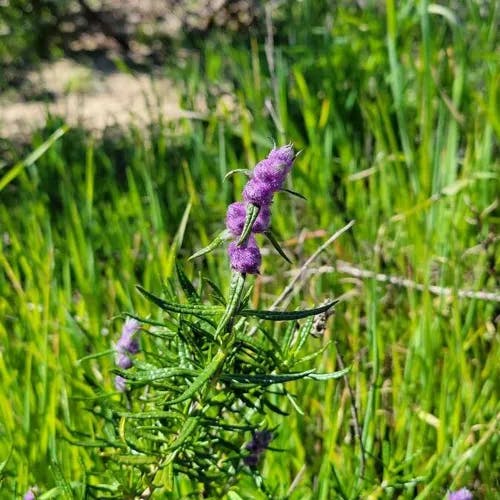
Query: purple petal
[[245, 258], [236, 215], [127, 343], [270, 173], [130, 326], [29, 495], [258, 193], [282, 157], [123, 361], [462, 494], [120, 383]]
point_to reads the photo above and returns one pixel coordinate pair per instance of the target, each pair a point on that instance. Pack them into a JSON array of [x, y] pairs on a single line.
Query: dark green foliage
[[194, 399]]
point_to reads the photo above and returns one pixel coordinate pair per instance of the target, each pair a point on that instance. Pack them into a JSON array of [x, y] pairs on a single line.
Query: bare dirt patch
[[89, 98]]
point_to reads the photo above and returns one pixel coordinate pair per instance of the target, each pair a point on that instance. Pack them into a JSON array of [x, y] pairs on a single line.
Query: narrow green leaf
[[173, 307], [6, 461], [238, 171], [293, 193], [315, 354], [136, 459], [302, 335], [61, 481], [265, 380], [298, 409], [217, 241], [31, 158], [149, 414], [329, 376], [95, 356], [152, 322], [288, 338], [161, 373], [276, 245], [185, 433], [202, 378], [286, 315], [251, 217], [274, 408], [217, 294], [178, 239], [235, 291], [186, 285]]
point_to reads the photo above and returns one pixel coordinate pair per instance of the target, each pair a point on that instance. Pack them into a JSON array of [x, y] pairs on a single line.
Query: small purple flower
[[30, 494], [462, 494], [120, 383], [127, 343], [257, 446], [258, 192], [260, 441], [236, 215], [245, 258], [123, 361]]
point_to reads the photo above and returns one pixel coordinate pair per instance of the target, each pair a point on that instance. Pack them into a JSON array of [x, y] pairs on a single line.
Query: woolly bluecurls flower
[[236, 215], [258, 445], [257, 192], [123, 361], [273, 170], [120, 383], [461, 494], [246, 258], [127, 343]]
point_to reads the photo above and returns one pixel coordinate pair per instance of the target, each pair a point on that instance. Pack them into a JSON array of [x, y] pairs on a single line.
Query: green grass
[[395, 110]]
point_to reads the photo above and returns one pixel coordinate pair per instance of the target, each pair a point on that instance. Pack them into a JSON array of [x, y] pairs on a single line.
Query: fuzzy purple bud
[[123, 361], [270, 173], [236, 215], [462, 494], [282, 157], [127, 343], [245, 258], [258, 192], [120, 383], [257, 446], [260, 441], [29, 495]]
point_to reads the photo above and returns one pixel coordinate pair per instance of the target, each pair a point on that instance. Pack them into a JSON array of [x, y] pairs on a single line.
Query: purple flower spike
[[282, 157], [462, 494], [236, 214], [123, 361], [127, 343], [120, 383], [245, 258], [258, 192]]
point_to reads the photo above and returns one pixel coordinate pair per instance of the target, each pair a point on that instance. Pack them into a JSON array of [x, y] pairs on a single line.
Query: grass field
[[394, 107]]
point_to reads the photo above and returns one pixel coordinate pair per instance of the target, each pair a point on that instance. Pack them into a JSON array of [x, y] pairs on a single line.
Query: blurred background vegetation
[[395, 107]]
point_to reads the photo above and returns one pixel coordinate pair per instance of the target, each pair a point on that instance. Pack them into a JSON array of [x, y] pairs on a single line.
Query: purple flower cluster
[[267, 178], [258, 445], [461, 494], [126, 346]]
